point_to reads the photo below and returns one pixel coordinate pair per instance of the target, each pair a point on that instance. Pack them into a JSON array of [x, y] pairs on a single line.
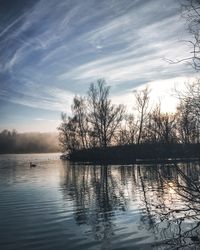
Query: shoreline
[[137, 161], [133, 154]]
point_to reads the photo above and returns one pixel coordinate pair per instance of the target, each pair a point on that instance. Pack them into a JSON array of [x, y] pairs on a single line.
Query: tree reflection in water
[[167, 196], [171, 198], [97, 195]]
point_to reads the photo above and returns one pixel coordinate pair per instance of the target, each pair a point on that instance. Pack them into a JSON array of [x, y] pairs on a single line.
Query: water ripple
[[61, 206]]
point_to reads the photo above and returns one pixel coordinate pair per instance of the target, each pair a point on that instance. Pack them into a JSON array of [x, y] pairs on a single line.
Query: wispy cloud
[[46, 120], [38, 96], [51, 50]]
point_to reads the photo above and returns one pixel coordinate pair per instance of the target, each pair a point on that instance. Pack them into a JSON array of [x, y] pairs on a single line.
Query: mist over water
[[13, 142], [57, 205]]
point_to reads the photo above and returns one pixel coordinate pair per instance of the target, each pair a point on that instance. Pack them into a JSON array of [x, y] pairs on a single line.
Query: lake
[[58, 205]]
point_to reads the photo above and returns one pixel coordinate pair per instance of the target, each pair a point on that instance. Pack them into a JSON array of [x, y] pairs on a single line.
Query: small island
[[103, 132]]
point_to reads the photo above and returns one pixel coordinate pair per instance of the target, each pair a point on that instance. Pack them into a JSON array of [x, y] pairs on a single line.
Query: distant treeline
[[97, 123], [13, 142]]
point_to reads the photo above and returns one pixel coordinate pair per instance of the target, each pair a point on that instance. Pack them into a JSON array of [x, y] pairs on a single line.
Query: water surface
[[57, 205]]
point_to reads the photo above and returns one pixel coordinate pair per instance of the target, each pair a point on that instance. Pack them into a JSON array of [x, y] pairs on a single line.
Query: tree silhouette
[[142, 105], [104, 117]]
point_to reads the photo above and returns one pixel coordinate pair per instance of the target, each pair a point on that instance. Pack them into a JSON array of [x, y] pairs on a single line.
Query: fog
[[13, 142]]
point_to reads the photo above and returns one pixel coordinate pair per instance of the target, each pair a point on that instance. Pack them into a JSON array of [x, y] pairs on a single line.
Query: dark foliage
[[131, 153]]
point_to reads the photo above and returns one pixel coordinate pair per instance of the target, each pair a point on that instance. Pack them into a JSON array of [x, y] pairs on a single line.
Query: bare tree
[[188, 113], [142, 105], [162, 127], [191, 12], [153, 127], [104, 117], [79, 109], [94, 120], [192, 96], [127, 131], [68, 138], [187, 124]]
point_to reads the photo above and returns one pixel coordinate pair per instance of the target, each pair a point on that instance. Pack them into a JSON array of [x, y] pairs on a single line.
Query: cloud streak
[[53, 49]]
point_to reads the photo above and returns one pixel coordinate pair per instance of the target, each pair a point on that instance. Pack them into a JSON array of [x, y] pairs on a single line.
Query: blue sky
[[53, 49]]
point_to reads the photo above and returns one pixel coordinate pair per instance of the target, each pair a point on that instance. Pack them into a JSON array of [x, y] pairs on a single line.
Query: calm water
[[61, 206]]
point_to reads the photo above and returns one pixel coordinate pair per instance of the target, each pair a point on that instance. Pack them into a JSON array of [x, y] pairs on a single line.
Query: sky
[[51, 50]]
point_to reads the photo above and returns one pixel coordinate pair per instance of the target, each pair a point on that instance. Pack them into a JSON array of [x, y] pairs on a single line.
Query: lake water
[[57, 205]]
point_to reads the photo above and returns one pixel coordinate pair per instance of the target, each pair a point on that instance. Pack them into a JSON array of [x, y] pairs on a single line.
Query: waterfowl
[[32, 164]]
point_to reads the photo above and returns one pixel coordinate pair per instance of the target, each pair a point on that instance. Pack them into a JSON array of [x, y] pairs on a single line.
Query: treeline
[[96, 122], [13, 142]]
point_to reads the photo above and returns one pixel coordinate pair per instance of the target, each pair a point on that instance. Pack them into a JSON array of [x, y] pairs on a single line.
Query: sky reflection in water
[[64, 206]]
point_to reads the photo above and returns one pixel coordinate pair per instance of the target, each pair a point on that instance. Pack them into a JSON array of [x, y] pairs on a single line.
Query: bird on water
[[32, 164]]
